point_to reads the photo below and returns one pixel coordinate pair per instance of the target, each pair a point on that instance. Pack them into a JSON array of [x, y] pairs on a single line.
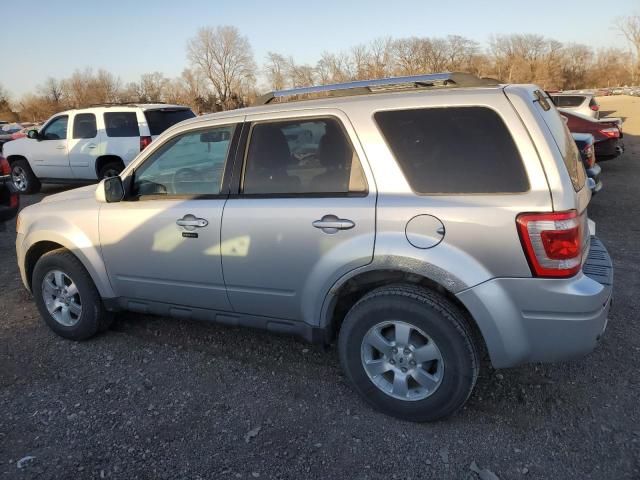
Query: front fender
[[79, 236]]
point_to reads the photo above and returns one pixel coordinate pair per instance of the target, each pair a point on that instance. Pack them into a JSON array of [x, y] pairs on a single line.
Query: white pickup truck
[[84, 145]]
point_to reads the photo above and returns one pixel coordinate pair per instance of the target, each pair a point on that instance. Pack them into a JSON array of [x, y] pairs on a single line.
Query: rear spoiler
[[617, 120]]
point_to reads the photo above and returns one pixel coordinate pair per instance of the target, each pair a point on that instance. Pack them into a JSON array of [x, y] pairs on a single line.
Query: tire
[[110, 169], [92, 319], [431, 320], [23, 177]]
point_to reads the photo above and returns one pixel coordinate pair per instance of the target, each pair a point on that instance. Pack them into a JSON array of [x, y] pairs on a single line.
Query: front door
[[49, 155], [304, 215], [162, 243]]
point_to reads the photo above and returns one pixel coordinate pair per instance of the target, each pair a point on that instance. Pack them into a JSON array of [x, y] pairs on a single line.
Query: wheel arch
[[42, 246], [15, 157], [102, 160], [347, 291]]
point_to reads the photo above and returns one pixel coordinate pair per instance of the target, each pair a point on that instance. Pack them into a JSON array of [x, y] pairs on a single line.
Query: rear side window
[[161, 119], [121, 124], [84, 126], [454, 150], [564, 101]]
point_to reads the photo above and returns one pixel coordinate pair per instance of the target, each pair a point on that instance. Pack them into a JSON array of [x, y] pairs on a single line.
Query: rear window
[[564, 101], [121, 124], [454, 150], [566, 144], [161, 119], [84, 126]]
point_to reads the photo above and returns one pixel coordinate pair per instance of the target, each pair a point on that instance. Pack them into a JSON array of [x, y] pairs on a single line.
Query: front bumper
[[544, 320], [20, 253]]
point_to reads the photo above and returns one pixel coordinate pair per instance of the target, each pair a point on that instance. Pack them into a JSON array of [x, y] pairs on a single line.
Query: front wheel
[[409, 352], [66, 297], [23, 177], [110, 169]]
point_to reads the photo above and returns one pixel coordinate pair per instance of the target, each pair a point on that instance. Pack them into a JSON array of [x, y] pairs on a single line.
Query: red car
[[9, 200], [607, 133]]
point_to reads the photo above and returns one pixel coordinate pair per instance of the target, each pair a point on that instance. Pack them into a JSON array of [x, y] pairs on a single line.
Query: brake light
[[590, 155], [595, 108], [144, 142], [552, 242], [5, 168], [611, 132]]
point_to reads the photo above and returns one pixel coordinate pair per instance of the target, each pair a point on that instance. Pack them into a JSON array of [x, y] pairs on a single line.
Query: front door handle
[[331, 224], [60, 147], [191, 222], [92, 145]]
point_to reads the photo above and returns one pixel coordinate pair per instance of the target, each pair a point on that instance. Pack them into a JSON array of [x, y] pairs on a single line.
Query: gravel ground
[[162, 398]]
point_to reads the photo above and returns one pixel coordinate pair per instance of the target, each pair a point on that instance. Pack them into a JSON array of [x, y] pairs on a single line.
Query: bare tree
[[106, 87], [53, 90], [275, 70], [630, 28], [225, 58]]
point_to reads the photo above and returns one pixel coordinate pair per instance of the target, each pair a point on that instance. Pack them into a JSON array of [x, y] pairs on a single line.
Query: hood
[[81, 193], [15, 146]]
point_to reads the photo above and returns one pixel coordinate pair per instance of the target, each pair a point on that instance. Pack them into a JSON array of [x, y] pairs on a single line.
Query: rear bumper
[[544, 320]]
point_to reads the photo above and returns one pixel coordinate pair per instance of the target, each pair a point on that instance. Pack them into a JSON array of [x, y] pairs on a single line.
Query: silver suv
[[420, 220]]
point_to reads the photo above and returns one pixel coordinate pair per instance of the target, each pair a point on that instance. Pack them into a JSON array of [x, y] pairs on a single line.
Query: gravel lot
[[163, 398]]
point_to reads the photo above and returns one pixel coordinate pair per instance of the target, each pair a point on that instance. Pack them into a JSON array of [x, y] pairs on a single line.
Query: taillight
[[552, 242], [590, 154], [5, 168], [144, 142], [595, 108], [611, 132], [14, 200]]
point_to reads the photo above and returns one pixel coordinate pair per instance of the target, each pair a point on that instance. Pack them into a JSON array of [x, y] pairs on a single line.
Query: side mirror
[[110, 190], [33, 134]]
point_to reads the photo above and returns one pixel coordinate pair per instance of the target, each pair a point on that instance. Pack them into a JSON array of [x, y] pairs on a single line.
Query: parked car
[[79, 146], [401, 240], [607, 133], [584, 104], [585, 142], [7, 131], [9, 199]]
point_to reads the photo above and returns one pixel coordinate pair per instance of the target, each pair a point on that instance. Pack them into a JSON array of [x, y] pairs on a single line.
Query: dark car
[[9, 199], [607, 133], [584, 142]]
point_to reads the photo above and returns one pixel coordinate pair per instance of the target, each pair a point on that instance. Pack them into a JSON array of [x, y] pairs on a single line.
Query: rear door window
[[161, 119], [454, 150], [565, 143], [121, 124], [84, 126]]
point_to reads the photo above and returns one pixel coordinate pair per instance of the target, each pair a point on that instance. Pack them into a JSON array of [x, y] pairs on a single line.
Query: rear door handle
[[60, 147], [331, 224], [191, 222], [92, 145]]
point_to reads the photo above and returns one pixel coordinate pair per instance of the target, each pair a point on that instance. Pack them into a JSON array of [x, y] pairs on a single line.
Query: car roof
[[125, 106], [340, 102]]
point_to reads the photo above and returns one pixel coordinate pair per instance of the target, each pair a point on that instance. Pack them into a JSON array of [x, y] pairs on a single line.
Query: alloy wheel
[[19, 178], [62, 298]]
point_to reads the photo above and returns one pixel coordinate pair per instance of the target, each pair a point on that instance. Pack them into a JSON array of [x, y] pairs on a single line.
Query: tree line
[[222, 72]]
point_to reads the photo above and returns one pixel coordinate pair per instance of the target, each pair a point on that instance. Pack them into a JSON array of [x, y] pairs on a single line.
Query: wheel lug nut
[[392, 361], [406, 351], [394, 350], [404, 370], [412, 363]]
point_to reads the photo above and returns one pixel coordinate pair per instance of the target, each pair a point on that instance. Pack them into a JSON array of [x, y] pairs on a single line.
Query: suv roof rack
[[363, 87], [125, 104]]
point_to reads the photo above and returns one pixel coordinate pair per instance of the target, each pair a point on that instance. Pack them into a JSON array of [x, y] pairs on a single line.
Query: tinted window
[[566, 145], [56, 130], [302, 157], [454, 150], [564, 101], [84, 126], [190, 164], [121, 124], [160, 120]]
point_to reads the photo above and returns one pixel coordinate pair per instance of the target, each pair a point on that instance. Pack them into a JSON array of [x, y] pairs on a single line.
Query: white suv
[[88, 144]]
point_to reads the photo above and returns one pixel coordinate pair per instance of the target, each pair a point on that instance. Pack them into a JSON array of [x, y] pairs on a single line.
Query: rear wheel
[[110, 169], [67, 298], [23, 177], [409, 353]]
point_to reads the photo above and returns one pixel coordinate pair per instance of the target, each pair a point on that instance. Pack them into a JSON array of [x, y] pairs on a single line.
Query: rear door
[[122, 134], [303, 214], [84, 145]]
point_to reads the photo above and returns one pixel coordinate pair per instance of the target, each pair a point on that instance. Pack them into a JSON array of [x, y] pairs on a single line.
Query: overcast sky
[[128, 38]]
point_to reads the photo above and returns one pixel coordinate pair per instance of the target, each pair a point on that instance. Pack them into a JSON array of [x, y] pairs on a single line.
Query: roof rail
[[124, 104], [362, 87]]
